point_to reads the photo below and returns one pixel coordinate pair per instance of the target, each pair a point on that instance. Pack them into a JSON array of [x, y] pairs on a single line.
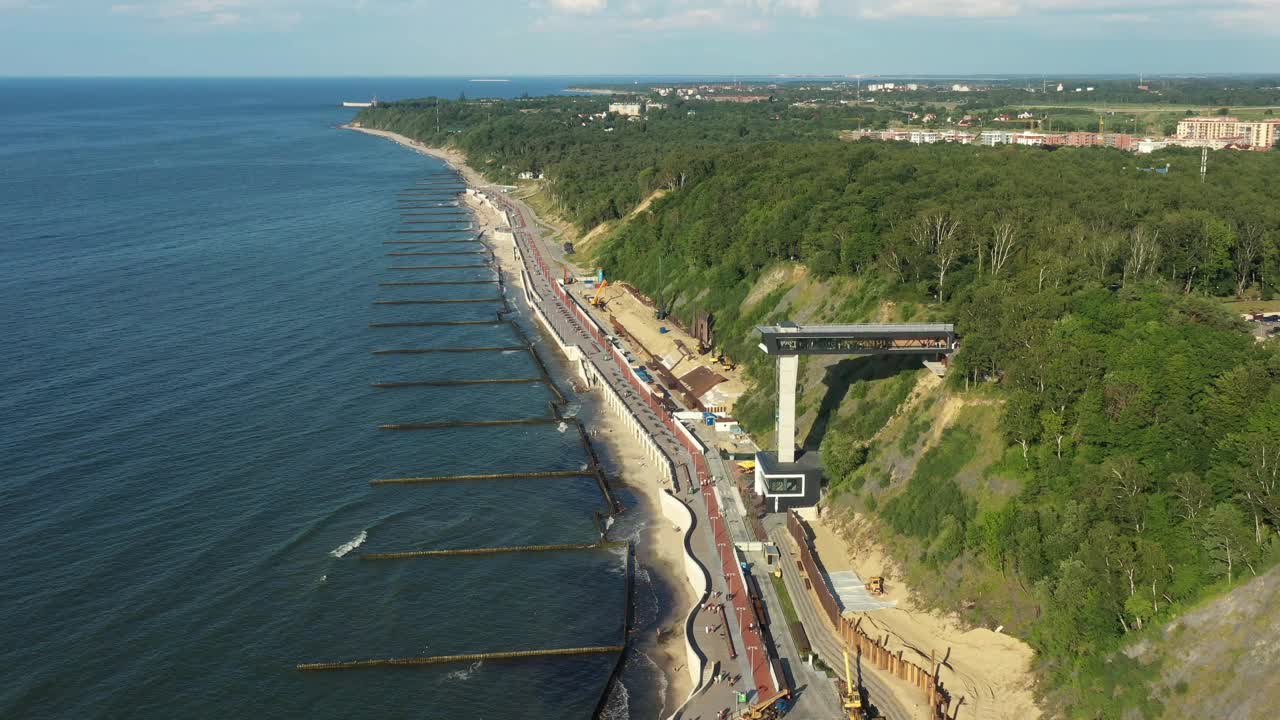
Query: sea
[[189, 426]]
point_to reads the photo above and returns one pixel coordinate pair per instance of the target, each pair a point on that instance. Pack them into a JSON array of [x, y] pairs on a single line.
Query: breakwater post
[[470, 657]]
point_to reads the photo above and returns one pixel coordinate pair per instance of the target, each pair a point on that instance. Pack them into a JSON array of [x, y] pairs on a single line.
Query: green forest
[[1142, 416]]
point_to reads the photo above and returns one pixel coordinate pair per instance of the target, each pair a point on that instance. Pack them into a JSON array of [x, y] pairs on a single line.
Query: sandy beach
[[659, 549]]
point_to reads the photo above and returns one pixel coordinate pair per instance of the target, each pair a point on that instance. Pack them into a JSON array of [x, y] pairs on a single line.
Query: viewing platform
[[861, 339]]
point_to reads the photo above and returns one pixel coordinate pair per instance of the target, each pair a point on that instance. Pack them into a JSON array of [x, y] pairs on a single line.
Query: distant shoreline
[[594, 91]]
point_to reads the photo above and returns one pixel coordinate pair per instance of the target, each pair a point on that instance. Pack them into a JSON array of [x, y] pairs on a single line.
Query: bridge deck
[[868, 338]]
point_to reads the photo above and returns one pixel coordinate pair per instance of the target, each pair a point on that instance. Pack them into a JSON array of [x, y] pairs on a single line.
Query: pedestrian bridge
[[779, 476], [863, 339]]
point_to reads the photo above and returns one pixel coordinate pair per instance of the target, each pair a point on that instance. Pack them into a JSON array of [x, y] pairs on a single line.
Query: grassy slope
[[903, 412]]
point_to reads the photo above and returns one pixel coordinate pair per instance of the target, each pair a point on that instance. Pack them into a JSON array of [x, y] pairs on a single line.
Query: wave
[[350, 545], [461, 675], [562, 427], [618, 705]]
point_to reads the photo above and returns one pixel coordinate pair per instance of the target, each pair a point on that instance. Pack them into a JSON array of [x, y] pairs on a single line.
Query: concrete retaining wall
[[681, 516]]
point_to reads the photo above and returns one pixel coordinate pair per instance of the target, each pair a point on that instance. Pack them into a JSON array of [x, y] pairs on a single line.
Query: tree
[[938, 235], [1194, 495], [1142, 255], [1248, 249], [1002, 245], [1257, 475], [1227, 539]]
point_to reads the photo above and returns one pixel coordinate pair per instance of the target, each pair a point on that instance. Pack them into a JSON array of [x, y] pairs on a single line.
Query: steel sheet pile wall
[[855, 639]]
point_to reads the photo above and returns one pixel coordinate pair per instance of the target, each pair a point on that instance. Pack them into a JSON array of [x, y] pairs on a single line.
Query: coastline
[[659, 546]]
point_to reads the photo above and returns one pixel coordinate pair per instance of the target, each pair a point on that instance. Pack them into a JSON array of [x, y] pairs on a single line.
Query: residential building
[[1119, 141], [625, 109], [1083, 139], [995, 137], [1259, 135], [739, 98]]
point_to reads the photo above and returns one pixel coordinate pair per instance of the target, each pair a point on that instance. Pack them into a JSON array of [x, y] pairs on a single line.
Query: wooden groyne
[[404, 205], [458, 221], [451, 383], [468, 658], [427, 351], [628, 619], [537, 474], [445, 301], [429, 242], [435, 267], [434, 323], [493, 281], [469, 423], [428, 232], [563, 547], [422, 253], [542, 366]]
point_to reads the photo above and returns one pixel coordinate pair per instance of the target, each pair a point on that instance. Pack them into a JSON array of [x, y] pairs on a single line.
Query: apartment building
[[1259, 135]]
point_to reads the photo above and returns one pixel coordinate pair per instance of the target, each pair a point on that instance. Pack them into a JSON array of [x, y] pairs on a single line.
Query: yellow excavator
[[853, 708], [595, 299]]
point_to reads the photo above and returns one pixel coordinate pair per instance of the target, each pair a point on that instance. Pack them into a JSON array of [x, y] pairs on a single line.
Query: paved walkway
[[729, 653]]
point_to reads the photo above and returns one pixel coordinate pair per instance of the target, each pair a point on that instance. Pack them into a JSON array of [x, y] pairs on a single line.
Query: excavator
[[595, 299]]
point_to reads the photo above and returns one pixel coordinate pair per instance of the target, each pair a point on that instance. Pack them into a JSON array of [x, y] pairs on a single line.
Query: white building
[[1147, 145], [992, 138], [625, 109]]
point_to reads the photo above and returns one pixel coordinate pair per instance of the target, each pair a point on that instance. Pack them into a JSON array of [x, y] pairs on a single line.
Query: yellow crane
[[852, 698]]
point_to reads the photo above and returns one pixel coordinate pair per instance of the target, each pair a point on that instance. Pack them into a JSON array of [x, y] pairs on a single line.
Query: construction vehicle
[[726, 362], [875, 585], [852, 700], [765, 709], [568, 276], [595, 299]]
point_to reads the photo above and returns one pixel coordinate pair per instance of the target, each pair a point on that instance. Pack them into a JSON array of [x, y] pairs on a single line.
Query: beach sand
[[659, 549]]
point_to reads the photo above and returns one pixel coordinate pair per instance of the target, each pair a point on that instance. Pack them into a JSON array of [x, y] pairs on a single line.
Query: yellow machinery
[[765, 710], [875, 585], [595, 299], [852, 698]]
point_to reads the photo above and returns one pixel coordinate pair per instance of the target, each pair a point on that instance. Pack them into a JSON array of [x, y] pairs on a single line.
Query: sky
[[635, 37]]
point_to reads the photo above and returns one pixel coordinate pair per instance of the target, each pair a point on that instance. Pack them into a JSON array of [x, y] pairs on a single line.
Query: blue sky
[[595, 37]]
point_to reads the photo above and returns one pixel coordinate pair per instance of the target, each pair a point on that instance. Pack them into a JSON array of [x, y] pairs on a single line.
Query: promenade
[[727, 649], [735, 647]]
